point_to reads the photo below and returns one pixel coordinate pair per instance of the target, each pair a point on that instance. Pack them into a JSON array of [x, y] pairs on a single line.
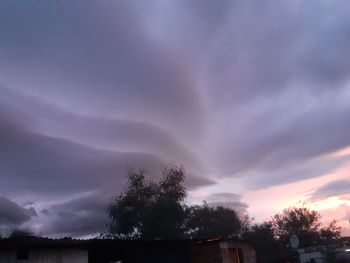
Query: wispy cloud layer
[[333, 188]]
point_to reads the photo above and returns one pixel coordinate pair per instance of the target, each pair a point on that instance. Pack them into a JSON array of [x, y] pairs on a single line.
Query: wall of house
[[248, 252], [46, 256], [7, 257], [205, 253], [223, 252]]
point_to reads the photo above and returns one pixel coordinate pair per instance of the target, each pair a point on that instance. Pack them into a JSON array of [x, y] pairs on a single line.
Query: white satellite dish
[[294, 241]]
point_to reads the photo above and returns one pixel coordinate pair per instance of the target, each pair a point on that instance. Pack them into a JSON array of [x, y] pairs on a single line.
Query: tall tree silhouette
[[306, 224], [149, 209]]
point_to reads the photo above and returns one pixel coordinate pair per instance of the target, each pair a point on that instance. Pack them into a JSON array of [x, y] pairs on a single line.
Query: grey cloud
[[11, 214], [48, 165], [333, 188], [99, 132], [258, 179], [224, 197], [77, 217], [33, 162], [202, 23], [279, 137], [229, 200], [295, 71], [193, 181], [250, 57], [87, 215], [258, 55], [284, 78], [99, 49], [222, 87], [45, 211]]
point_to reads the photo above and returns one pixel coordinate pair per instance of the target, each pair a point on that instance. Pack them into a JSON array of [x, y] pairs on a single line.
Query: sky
[[251, 97]]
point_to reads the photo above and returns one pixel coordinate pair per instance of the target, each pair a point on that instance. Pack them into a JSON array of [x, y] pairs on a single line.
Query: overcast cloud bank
[[244, 89]]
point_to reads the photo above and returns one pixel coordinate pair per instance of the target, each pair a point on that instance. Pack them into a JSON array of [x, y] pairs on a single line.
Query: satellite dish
[[294, 241]]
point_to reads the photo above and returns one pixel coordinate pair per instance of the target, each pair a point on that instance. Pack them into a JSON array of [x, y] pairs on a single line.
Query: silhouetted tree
[[268, 248], [306, 224], [149, 209], [205, 222], [331, 232], [20, 233], [156, 210]]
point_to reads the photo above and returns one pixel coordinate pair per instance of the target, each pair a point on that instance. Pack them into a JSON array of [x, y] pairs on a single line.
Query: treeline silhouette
[[156, 209]]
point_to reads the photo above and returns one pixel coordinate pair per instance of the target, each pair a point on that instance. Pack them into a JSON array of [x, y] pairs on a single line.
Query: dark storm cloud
[[99, 49], [44, 167], [244, 88], [34, 162], [110, 133], [85, 150], [88, 214], [78, 217], [250, 56], [11, 214], [333, 188]]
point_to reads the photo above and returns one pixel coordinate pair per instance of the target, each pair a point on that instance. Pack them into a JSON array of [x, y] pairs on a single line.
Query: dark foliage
[[271, 239], [268, 248], [205, 222], [330, 232], [156, 210], [150, 210], [21, 233], [306, 224]]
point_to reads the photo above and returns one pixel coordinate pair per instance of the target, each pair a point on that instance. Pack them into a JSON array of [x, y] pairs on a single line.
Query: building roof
[[40, 242]]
